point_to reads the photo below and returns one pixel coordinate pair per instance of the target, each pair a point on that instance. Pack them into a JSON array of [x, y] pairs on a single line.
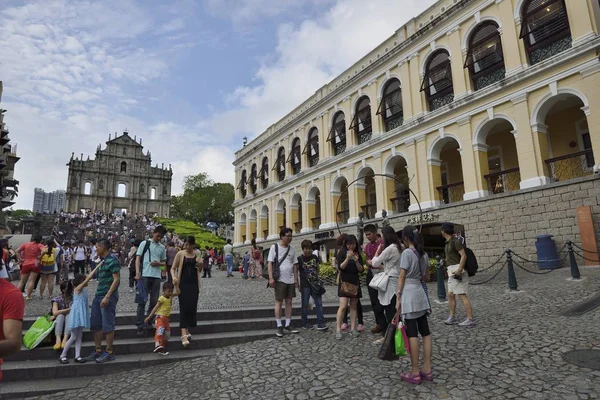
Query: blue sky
[[190, 77]]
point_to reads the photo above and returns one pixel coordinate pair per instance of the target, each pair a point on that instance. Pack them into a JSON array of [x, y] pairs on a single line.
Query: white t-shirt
[[286, 266], [79, 254]]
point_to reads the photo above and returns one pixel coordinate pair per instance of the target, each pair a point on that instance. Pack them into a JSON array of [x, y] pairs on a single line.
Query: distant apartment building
[[48, 202]]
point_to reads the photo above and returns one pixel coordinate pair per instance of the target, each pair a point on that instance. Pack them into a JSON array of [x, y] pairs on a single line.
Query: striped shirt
[[105, 273]]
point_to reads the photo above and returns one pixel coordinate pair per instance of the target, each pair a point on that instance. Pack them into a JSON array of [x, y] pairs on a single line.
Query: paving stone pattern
[[515, 352]]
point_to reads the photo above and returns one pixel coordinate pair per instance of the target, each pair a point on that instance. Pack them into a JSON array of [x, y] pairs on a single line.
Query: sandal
[[426, 376], [56, 347], [379, 341], [63, 360], [408, 377], [184, 341]]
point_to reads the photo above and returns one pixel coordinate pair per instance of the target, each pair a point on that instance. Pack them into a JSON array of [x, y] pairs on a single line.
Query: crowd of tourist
[[163, 266]]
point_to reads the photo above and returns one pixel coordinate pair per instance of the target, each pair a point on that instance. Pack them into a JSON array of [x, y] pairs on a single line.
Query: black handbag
[[387, 351], [316, 286]]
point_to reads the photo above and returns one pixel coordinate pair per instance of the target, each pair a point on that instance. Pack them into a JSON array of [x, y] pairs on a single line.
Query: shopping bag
[[141, 295], [401, 341], [387, 351], [38, 331]]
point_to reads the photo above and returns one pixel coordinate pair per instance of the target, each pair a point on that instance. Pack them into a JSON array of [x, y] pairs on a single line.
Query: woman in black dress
[[350, 266], [186, 274]]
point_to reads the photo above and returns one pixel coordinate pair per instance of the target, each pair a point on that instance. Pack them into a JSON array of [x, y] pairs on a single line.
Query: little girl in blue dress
[[80, 316]]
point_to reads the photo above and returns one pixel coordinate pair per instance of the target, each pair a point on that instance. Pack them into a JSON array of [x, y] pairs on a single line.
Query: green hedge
[[183, 228]]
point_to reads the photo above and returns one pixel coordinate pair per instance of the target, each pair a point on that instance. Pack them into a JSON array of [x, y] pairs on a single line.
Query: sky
[[190, 77]]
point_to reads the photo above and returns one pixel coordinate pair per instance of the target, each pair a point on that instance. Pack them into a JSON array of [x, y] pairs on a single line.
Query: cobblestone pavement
[[217, 292], [515, 352]]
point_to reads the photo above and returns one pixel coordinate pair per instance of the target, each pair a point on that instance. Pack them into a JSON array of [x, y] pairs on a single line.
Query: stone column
[[294, 211], [592, 113], [248, 227], [512, 47], [421, 184], [532, 146], [459, 73], [580, 21], [324, 145]]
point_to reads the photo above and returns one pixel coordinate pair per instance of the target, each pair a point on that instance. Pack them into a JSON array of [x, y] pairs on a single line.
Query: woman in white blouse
[[388, 256]]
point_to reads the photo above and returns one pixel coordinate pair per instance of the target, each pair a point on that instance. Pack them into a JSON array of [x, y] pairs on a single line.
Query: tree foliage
[[19, 214], [184, 228], [204, 201]]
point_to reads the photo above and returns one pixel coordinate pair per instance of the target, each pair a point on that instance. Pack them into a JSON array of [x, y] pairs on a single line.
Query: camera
[[458, 277]]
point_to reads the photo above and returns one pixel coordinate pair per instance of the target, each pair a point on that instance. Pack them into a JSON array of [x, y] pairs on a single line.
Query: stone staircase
[[37, 372]]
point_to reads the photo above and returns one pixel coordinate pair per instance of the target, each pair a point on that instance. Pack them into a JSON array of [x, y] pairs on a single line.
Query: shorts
[[104, 318], [48, 269], [163, 329], [456, 286], [284, 291], [29, 268], [416, 326]]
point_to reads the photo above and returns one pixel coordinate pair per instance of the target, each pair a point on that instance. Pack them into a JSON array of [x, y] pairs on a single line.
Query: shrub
[[326, 270], [183, 228]]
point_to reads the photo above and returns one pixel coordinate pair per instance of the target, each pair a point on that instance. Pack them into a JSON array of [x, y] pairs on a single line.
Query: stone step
[[214, 314], [123, 332], [43, 377], [145, 344]]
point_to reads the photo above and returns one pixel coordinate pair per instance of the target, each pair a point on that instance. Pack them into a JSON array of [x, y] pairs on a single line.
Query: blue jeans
[[246, 265], [229, 262], [104, 318], [306, 295]]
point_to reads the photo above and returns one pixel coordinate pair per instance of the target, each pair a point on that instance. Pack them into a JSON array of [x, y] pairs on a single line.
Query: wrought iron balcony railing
[[343, 216], [571, 166], [504, 181], [370, 210], [452, 193]]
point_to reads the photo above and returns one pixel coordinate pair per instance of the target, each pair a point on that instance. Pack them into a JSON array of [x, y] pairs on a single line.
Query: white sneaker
[[467, 323]]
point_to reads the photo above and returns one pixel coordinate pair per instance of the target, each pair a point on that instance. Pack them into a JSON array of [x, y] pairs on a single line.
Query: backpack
[[48, 260], [146, 248], [471, 265]]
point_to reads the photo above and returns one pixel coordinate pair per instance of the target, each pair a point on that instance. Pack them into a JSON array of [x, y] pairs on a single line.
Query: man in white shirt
[[79, 257], [283, 276]]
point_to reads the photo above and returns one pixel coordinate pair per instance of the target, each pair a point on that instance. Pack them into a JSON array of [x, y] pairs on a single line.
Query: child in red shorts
[[163, 314]]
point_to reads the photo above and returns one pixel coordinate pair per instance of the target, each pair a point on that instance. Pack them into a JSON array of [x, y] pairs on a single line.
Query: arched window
[[121, 190], [124, 151], [123, 166], [294, 157], [390, 107], [311, 149], [280, 164], [242, 184], [337, 134], [485, 59], [361, 124], [253, 179], [153, 193], [87, 188], [264, 173], [437, 83], [545, 29]]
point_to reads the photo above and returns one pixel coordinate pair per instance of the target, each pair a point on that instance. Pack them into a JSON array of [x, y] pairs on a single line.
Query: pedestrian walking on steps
[[162, 310], [186, 275]]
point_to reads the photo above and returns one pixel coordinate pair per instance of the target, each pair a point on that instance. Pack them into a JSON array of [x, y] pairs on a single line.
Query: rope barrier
[[584, 257], [493, 265], [532, 272], [584, 250], [523, 258], [489, 280]]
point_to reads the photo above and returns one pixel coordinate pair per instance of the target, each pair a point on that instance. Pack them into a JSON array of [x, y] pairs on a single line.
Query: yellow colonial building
[[476, 106]]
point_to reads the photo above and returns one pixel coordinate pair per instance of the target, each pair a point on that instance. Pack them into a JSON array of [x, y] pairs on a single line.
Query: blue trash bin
[[546, 252]]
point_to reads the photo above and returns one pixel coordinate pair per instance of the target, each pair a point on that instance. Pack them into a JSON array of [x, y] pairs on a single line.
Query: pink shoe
[[360, 327], [344, 327], [426, 376], [408, 377]]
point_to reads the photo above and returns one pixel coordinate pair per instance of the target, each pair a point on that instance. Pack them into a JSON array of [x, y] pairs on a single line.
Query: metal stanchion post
[[572, 262], [512, 278], [441, 288]]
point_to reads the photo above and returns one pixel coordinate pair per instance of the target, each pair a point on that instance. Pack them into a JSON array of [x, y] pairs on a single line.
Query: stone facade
[[121, 178]]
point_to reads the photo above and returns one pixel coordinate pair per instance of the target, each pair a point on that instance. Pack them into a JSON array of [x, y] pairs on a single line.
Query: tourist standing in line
[[350, 266], [370, 250], [186, 276], [151, 256], [413, 303], [171, 253], [255, 270], [48, 267], [388, 257], [458, 281], [283, 277], [228, 251], [104, 305], [308, 267], [79, 257], [12, 309], [28, 255]]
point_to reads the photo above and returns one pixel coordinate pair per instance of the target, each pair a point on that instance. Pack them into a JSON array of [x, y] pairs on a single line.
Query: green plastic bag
[[400, 340], [38, 331]]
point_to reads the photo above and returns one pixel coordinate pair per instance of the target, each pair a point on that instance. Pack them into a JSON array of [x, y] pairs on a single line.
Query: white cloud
[[308, 56]]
